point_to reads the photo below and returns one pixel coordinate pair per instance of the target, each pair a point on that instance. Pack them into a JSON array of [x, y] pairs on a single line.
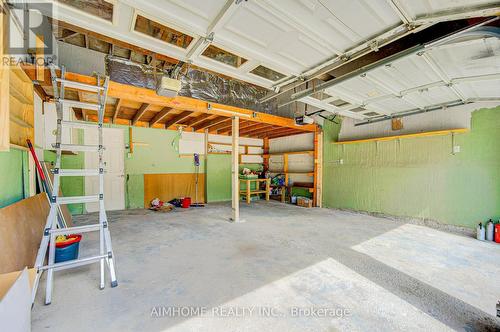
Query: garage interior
[[250, 165]]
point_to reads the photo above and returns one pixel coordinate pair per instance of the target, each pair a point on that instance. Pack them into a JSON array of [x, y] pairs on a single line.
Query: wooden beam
[[114, 41], [226, 124], [117, 109], [136, 94], [209, 123], [159, 116], [276, 131], [197, 119], [253, 130], [243, 125], [285, 134], [41, 92], [177, 118], [140, 112]]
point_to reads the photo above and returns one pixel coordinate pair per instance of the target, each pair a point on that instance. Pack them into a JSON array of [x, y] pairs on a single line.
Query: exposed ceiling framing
[[136, 106]]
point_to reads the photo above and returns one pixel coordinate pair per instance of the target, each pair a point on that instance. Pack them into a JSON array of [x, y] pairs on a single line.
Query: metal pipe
[[427, 109]]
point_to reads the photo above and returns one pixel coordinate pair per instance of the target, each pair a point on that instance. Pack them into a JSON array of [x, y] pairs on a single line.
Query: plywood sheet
[[172, 185], [21, 229], [21, 109]]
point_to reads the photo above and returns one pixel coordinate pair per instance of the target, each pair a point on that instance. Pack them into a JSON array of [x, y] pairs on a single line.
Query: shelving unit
[[288, 187], [248, 192]]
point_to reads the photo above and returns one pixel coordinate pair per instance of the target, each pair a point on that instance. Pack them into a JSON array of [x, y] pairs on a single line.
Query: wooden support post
[[285, 167], [266, 151], [235, 169], [317, 168], [248, 192], [268, 188]]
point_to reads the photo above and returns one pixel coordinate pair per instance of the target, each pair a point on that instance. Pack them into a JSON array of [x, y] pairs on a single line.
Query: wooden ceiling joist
[[256, 130], [198, 119], [140, 112], [209, 123], [283, 133], [117, 109], [177, 118], [186, 111], [223, 125], [160, 115]]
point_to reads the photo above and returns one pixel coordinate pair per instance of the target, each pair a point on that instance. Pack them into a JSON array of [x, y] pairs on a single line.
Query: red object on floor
[[497, 233], [186, 202]]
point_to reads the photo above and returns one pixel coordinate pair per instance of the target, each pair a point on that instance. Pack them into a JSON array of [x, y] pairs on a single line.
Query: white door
[[114, 169]]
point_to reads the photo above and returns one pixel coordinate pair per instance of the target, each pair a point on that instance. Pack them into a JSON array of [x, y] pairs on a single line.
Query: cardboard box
[[304, 202]]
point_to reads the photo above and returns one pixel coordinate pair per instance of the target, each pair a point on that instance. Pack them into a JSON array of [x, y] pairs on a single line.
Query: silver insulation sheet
[[195, 84]]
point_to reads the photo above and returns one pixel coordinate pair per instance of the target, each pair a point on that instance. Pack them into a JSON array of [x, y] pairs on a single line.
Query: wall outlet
[[456, 148], [129, 155], [341, 161]]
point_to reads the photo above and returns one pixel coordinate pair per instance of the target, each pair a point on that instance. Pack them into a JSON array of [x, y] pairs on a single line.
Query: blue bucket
[[67, 253]]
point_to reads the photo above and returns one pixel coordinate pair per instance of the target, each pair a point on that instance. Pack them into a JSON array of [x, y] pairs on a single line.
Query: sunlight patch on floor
[[459, 266], [349, 302]]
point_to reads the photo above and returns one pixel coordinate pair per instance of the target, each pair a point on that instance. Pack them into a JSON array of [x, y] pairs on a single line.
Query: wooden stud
[[177, 118], [315, 175], [266, 152], [160, 115], [117, 109], [140, 112], [40, 58]]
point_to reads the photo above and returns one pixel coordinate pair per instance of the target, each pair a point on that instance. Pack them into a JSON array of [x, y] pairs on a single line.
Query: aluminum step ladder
[[51, 230]]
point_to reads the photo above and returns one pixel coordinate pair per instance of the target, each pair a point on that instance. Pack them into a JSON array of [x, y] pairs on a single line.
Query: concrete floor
[[285, 269]]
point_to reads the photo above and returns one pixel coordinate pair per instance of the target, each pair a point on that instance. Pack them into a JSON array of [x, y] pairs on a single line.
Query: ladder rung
[[78, 147], [79, 104], [77, 199], [80, 124], [76, 229], [81, 86], [73, 263], [78, 172]]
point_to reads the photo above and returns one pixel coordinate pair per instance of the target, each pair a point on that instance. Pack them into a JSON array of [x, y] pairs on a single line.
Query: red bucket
[[186, 202]]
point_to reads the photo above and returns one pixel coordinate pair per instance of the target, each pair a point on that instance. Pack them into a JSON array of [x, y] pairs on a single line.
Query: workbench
[[248, 192]]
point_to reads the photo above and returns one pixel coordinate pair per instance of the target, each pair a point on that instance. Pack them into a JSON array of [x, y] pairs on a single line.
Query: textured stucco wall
[[419, 177]]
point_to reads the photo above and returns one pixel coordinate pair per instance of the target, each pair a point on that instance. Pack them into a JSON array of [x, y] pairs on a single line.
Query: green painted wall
[[419, 177], [219, 177], [71, 185], [14, 184]]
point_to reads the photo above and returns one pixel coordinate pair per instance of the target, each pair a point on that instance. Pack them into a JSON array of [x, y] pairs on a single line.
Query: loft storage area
[[249, 165]]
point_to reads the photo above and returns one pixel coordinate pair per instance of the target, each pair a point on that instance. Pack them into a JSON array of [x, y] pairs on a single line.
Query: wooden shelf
[[229, 144], [424, 134], [253, 192], [267, 155]]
